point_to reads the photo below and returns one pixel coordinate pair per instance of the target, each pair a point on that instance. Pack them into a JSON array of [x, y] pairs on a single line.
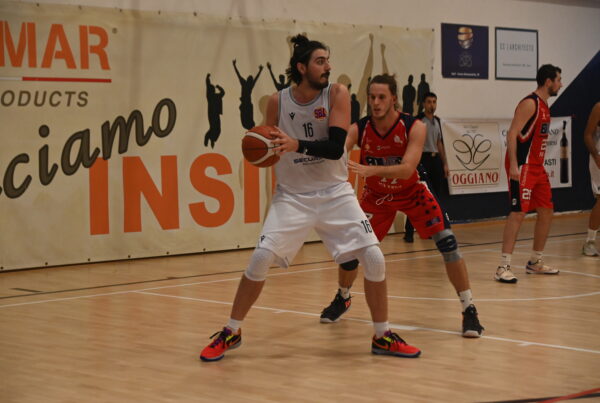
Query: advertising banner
[[121, 130], [476, 153]]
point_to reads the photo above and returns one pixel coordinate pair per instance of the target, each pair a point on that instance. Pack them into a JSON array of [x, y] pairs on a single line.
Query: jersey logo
[[397, 139], [320, 113], [292, 114]]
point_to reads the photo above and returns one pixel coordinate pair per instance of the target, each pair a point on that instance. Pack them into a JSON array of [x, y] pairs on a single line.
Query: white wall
[[569, 36]]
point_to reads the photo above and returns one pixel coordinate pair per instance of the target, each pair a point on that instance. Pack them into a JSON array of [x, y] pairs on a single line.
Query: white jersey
[[300, 173]]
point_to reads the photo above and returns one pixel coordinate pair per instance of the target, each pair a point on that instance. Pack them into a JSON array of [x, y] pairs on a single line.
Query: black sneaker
[[336, 309], [471, 325], [408, 238]]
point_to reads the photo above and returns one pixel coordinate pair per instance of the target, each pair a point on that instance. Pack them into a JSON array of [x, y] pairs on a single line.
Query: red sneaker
[[392, 344], [224, 340]]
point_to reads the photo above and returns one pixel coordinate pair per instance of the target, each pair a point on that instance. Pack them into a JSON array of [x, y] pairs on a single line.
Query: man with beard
[[390, 144], [312, 117], [529, 188]]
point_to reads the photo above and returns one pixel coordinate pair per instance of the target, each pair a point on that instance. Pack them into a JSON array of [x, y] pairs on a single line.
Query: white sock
[[591, 235], [234, 324], [380, 328], [506, 257], [466, 299], [535, 256], [345, 292]]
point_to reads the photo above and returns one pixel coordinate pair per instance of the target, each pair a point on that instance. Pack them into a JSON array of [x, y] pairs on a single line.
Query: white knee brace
[[373, 262], [259, 264]]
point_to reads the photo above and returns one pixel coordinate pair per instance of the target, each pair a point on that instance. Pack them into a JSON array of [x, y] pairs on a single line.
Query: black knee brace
[[349, 266]]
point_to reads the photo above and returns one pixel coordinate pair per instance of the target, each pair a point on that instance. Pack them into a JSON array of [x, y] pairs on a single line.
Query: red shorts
[[417, 202], [531, 191]]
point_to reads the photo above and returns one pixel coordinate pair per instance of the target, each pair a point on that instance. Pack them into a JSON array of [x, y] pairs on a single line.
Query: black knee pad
[[349, 266]]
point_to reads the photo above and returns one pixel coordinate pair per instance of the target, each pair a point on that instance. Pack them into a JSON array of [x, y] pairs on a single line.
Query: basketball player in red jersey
[[391, 144], [529, 187]]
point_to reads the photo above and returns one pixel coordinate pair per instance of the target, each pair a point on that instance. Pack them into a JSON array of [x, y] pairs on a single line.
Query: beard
[[318, 84], [553, 93]]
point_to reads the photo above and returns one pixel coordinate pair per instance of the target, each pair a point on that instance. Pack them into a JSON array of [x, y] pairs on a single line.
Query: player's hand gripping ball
[[258, 148]]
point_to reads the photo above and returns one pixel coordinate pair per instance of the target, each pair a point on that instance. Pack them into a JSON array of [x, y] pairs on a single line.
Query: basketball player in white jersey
[[591, 137], [313, 118]]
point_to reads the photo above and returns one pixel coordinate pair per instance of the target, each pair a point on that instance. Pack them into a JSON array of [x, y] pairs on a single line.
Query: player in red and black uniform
[[529, 188], [391, 144]]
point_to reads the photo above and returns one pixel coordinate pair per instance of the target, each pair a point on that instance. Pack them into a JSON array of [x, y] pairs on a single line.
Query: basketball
[[258, 148]]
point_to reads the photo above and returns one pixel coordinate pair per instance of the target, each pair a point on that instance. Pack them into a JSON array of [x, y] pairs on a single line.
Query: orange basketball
[[258, 148]]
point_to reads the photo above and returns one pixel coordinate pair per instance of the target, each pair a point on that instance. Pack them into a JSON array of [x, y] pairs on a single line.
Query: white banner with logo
[[121, 130], [476, 151]]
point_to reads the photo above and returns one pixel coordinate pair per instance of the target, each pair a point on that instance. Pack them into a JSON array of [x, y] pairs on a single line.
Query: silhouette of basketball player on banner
[[408, 96], [282, 83], [246, 107], [422, 89], [215, 110], [354, 107]]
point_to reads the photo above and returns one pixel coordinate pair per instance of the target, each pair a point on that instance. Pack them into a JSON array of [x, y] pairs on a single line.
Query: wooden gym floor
[[131, 331]]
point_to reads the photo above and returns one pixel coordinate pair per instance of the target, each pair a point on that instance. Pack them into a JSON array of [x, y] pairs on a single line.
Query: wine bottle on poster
[[564, 155]]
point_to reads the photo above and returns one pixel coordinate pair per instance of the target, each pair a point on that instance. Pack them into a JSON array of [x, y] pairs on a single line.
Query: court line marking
[[493, 299], [559, 256], [405, 253], [287, 272], [521, 343]]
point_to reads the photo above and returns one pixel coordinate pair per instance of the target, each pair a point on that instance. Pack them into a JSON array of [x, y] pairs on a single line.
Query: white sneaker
[[539, 268], [589, 249], [505, 275]]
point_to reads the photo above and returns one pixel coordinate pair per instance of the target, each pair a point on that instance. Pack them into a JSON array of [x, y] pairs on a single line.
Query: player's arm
[[352, 137], [339, 121], [523, 113], [588, 134], [272, 118], [283, 141], [409, 163], [442, 151]]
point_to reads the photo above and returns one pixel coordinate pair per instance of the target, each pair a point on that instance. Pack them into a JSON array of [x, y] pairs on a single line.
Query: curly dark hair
[[303, 49]]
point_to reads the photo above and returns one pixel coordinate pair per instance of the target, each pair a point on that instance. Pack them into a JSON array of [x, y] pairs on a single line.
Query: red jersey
[[531, 140], [385, 149]]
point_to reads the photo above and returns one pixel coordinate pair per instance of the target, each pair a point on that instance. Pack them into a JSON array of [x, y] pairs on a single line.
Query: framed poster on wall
[[516, 54], [465, 51]]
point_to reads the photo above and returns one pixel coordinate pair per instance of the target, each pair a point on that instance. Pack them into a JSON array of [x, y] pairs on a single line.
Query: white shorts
[[335, 215], [595, 176]]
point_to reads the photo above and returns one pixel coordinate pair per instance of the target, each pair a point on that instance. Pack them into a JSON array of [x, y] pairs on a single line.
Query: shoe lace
[[221, 338], [395, 338], [337, 303], [504, 269], [472, 320]]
